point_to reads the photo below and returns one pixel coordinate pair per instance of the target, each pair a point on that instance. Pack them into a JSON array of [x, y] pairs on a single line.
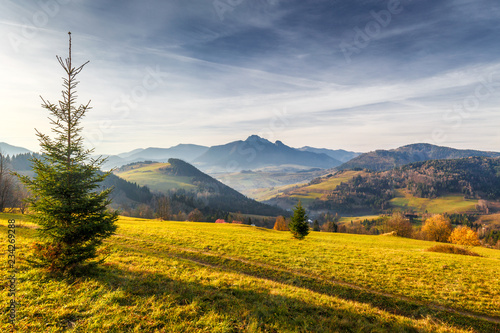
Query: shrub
[[452, 249]]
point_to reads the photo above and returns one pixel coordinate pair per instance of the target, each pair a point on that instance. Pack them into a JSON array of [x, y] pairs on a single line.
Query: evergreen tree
[[316, 225], [298, 224], [67, 201]]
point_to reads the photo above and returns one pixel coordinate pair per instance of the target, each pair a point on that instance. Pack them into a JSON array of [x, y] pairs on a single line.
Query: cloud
[[224, 79]]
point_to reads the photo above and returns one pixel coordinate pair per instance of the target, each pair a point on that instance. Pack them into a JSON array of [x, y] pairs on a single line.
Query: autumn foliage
[[464, 236], [437, 228], [281, 224]]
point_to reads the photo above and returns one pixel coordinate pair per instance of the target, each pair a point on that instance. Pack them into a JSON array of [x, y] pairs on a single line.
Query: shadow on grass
[[234, 309], [393, 305]]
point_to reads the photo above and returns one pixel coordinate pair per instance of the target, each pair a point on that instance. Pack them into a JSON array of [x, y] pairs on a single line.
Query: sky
[[358, 75]]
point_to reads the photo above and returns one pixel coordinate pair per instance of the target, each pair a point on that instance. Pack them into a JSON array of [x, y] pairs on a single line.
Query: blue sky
[[355, 74]]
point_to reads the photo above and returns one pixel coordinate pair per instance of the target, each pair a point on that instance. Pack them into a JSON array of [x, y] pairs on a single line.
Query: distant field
[[357, 219], [151, 175], [308, 193], [201, 277], [448, 203]]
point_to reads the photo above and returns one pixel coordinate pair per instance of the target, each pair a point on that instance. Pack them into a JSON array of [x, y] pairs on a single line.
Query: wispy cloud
[[266, 62]]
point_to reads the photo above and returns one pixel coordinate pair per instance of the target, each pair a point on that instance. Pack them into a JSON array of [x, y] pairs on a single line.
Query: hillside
[[435, 186], [256, 152], [10, 150], [381, 160], [207, 191], [200, 277]]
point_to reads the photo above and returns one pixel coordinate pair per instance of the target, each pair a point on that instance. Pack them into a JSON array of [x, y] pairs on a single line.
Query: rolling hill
[[381, 160], [178, 175], [163, 276]]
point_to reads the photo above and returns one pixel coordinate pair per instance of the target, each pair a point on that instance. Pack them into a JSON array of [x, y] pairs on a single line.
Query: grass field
[[201, 277], [448, 203], [151, 175], [308, 193]]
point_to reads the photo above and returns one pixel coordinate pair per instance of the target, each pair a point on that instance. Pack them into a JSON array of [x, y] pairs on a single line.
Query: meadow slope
[[201, 277]]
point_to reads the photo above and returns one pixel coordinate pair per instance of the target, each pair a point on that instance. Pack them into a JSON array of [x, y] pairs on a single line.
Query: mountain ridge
[[381, 160]]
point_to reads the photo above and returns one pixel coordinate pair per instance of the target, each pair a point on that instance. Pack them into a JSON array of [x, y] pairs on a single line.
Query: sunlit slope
[[199, 277], [319, 188], [444, 204], [156, 176]]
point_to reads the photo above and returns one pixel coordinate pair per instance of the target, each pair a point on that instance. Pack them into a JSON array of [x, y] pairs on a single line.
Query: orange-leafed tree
[[281, 224], [437, 228], [464, 236]]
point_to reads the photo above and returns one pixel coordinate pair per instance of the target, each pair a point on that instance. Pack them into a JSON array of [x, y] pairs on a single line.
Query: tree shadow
[[242, 309]]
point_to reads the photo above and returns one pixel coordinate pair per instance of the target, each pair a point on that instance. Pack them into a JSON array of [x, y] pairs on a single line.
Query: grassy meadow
[[200, 277], [447, 203], [152, 176]]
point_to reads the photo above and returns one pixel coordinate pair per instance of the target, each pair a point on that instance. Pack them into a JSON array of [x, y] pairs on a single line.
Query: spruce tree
[[67, 201], [298, 224]]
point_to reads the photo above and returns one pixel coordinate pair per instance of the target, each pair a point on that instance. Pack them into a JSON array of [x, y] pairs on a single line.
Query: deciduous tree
[[400, 225], [463, 235], [437, 228], [280, 224]]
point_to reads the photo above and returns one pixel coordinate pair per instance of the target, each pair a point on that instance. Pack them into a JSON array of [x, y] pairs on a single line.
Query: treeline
[[474, 177]]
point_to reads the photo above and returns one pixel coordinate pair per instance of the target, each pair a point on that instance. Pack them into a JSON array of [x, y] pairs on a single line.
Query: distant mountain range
[[381, 160], [250, 154], [10, 150], [256, 152]]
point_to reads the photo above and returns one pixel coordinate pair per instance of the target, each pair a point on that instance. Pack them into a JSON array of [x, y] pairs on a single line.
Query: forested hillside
[[472, 178]]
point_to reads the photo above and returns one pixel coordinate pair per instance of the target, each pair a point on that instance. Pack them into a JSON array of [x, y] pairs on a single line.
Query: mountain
[[434, 186], [180, 176], [338, 154], [186, 152], [381, 160], [7, 149], [256, 152]]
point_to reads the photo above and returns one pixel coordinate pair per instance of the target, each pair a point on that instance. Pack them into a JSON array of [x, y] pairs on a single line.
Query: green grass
[[201, 277], [448, 203], [151, 175]]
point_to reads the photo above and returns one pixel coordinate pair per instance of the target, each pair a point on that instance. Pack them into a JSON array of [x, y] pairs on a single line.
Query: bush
[[464, 236], [452, 249]]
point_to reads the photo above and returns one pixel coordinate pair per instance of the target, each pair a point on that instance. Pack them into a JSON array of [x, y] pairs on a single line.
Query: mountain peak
[[256, 138]]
